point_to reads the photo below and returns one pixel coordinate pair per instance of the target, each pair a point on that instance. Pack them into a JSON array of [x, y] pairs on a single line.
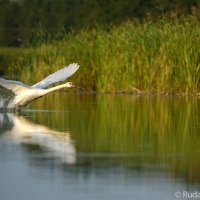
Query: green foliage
[[19, 19], [155, 57]]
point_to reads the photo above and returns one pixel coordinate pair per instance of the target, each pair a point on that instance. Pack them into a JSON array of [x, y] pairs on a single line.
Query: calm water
[[90, 147]]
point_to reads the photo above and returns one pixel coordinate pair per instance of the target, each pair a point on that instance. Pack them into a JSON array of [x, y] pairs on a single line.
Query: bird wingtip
[[76, 64]]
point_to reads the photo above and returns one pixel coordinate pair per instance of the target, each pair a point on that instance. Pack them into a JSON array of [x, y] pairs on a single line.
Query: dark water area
[[101, 146]]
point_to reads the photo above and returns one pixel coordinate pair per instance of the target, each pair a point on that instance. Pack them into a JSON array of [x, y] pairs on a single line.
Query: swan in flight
[[15, 94]]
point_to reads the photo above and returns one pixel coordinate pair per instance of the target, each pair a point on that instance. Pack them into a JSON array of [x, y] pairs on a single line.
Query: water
[[103, 146]]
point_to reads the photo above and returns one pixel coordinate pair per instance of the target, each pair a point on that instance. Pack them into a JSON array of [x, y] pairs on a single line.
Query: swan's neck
[[55, 88], [32, 94]]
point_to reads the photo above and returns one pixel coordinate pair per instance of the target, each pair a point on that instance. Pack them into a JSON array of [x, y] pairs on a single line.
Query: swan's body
[[20, 94]]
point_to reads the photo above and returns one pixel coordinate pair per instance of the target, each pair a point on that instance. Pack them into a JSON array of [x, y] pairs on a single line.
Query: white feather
[[58, 76], [15, 94]]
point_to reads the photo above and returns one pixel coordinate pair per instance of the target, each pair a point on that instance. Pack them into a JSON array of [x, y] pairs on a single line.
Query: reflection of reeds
[[162, 131], [161, 56]]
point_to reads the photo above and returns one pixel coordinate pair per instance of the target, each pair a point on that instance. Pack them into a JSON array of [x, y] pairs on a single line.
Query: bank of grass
[[160, 56]]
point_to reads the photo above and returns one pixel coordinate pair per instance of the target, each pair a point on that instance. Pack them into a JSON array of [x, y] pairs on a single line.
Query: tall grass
[[151, 56]]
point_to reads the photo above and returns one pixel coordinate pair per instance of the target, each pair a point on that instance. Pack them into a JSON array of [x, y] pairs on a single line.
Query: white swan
[[16, 94]]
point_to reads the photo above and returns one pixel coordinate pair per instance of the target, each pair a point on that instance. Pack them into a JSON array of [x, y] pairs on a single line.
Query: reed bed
[[161, 57]]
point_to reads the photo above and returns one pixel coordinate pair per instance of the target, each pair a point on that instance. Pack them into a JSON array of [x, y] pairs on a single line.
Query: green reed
[[160, 56]]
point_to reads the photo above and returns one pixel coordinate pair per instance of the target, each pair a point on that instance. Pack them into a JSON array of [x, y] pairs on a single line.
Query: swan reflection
[[19, 129]]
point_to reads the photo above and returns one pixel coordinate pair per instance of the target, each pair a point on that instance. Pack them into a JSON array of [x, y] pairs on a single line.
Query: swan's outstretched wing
[[14, 82], [9, 90], [60, 75], [16, 87]]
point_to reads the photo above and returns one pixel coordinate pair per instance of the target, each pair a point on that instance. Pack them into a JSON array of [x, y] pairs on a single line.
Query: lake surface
[[101, 146]]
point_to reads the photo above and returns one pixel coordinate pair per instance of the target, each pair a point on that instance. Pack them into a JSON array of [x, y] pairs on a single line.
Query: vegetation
[[147, 57], [20, 20]]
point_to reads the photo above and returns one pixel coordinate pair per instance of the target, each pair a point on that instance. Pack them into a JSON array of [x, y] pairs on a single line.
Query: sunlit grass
[[149, 57]]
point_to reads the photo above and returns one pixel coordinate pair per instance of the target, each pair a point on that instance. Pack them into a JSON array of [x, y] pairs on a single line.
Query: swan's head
[[70, 85]]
